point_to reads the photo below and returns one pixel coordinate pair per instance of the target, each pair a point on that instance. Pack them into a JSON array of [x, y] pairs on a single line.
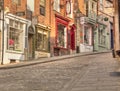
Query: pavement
[[47, 60]]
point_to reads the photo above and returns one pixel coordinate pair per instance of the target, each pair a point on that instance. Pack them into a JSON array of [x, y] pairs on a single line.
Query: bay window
[[15, 36]]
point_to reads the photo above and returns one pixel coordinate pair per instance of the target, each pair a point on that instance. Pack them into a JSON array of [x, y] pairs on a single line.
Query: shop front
[[86, 39], [15, 38], [102, 35], [42, 41], [86, 35], [65, 37]]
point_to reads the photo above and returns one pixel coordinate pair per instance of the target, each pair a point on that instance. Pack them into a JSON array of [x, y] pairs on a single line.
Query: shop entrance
[[72, 34], [30, 43]]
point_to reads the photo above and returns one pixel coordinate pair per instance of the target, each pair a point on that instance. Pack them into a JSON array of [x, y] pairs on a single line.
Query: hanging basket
[[105, 19]]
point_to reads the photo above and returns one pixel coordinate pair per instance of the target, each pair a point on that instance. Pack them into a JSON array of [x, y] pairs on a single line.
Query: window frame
[[14, 41], [56, 5], [42, 7], [18, 2], [42, 42]]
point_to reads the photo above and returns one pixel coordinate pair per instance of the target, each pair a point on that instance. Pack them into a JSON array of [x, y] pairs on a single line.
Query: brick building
[[15, 30], [48, 29]]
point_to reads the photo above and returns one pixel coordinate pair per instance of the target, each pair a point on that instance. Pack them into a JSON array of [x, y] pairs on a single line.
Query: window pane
[[42, 40], [15, 36], [42, 3], [39, 41], [86, 35], [57, 5], [11, 23], [61, 35], [16, 24], [18, 2], [15, 39], [21, 25], [42, 10]]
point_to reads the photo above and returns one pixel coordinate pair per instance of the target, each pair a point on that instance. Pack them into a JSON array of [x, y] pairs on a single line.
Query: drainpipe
[[2, 32]]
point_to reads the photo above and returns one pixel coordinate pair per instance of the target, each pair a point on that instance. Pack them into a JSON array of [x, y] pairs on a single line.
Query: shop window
[[62, 36], [42, 40], [102, 36], [42, 7], [86, 35], [15, 36]]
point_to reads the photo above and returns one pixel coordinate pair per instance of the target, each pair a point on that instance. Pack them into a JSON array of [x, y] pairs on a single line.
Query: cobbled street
[[84, 73]]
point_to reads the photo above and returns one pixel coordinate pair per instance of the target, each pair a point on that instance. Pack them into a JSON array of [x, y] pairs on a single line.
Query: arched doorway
[[31, 42]]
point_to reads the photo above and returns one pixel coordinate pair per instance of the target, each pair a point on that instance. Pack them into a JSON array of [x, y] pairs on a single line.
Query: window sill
[[17, 52], [102, 46]]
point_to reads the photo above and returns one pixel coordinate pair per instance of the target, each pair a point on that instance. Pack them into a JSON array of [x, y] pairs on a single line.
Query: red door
[[72, 33]]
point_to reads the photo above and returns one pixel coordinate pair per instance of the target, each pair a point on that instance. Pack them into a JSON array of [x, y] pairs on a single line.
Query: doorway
[[30, 46], [30, 43], [72, 34]]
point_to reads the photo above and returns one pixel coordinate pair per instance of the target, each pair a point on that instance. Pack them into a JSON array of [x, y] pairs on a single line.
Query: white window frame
[[12, 44], [57, 5]]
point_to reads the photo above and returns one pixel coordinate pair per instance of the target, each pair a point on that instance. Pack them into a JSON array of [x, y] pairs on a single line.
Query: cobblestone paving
[[86, 73]]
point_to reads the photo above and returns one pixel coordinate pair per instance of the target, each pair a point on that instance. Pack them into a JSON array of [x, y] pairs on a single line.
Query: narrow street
[[85, 73]]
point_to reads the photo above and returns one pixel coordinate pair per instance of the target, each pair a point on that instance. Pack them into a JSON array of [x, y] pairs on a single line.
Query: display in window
[[86, 35], [61, 40], [15, 36], [42, 40]]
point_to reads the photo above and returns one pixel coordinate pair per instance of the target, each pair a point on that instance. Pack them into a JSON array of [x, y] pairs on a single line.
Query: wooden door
[[30, 49]]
